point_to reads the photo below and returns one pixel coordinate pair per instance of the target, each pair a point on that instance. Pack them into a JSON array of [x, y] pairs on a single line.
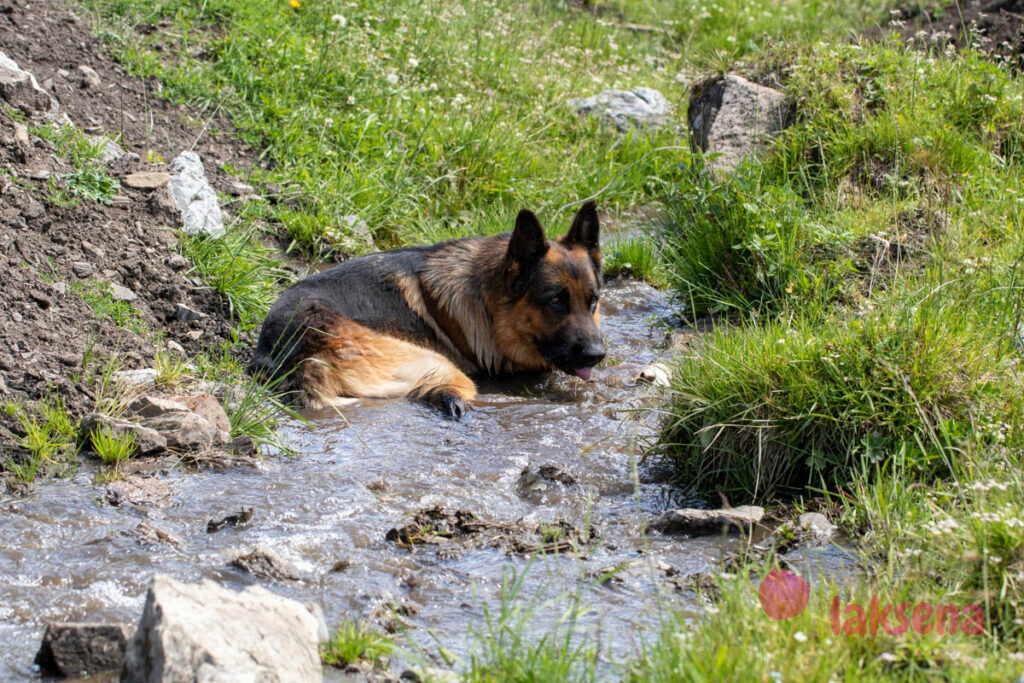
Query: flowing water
[[67, 555]]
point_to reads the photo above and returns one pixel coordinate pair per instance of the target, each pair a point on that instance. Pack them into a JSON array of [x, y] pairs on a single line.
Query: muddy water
[[65, 555]]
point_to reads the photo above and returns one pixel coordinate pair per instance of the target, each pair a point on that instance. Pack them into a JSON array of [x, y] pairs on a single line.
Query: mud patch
[[993, 26], [456, 531]]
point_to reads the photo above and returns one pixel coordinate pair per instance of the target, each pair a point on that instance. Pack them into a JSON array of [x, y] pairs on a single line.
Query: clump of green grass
[[48, 443], [354, 641], [637, 257], [823, 379], [171, 368], [259, 412], [237, 266], [781, 408], [111, 447], [88, 178]]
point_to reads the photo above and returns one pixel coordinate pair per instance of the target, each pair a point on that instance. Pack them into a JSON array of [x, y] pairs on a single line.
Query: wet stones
[[733, 118], [457, 530], [639, 108], [817, 527], [545, 478], [147, 533], [657, 374], [74, 650], [697, 522], [264, 564], [241, 517], [180, 423], [205, 632], [147, 441], [140, 491]]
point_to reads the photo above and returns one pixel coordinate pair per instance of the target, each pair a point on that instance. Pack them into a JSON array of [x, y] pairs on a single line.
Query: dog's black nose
[[591, 354]]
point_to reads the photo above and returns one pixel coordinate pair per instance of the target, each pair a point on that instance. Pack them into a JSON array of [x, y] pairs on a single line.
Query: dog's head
[[555, 289]]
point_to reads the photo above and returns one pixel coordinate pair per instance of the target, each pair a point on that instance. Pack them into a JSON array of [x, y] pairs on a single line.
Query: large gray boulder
[[640, 108], [734, 118], [21, 90], [207, 633], [192, 193]]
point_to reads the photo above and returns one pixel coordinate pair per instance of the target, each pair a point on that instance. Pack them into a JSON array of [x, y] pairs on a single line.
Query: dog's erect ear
[[526, 247], [585, 232]]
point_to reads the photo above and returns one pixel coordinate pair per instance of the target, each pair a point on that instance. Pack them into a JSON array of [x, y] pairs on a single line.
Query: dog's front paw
[[451, 405]]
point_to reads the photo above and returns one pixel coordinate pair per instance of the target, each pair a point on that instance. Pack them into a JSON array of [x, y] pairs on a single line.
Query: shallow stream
[[67, 555]]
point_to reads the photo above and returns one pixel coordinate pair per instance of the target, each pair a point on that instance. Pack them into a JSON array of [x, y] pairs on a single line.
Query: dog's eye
[[559, 303]]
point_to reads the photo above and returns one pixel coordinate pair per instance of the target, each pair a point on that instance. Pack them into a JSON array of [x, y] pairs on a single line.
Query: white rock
[[818, 525], [207, 633], [642, 107], [110, 152], [656, 373], [195, 198], [140, 377], [88, 76], [122, 293]]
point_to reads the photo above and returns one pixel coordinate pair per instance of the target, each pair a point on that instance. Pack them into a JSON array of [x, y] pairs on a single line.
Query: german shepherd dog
[[420, 321]]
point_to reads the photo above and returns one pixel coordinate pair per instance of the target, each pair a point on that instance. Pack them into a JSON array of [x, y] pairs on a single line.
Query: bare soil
[[46, 328], [994, 26]]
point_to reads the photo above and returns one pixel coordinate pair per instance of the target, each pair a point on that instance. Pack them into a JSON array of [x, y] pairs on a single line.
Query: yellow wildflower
[[295, 3]]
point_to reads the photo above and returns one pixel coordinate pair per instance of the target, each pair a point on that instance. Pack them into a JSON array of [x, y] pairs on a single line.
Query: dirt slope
[[52, 253]]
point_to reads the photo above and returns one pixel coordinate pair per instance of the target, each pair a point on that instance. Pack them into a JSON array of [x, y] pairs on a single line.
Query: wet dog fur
[[419, 322]]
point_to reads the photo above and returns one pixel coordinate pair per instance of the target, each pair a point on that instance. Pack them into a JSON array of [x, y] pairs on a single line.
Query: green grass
[[829, 373], [431, 119], [509, 648], [874, 359], [48, 441], [356, 641], [112, 448], [88, 178], [241, 269], [637, 257]]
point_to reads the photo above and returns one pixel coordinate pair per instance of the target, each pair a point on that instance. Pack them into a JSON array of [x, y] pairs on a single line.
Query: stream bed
[[66, 554]]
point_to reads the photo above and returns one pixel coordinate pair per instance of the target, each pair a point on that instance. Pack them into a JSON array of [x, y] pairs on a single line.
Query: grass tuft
[[355, 641], [241, 269], [110, 447]]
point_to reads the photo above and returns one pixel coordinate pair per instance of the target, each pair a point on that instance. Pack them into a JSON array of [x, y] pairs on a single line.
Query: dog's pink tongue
[[583, 373]]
